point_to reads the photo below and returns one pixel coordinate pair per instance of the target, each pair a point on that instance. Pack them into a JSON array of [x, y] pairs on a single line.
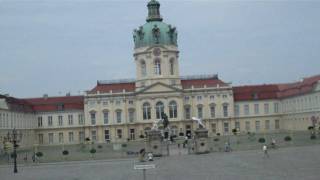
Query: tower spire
[[154, 11]]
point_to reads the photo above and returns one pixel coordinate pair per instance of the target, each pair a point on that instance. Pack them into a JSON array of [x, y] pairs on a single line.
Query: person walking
[[265, 151]]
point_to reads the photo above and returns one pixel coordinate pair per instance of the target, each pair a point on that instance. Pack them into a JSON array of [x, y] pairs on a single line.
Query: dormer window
[[255, 95], [60, 107]]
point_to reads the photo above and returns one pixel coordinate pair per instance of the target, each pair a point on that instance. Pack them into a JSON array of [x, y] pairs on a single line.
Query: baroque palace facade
[[122, 110]]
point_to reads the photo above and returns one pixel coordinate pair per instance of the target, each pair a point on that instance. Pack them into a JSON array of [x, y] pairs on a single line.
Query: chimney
[[45, 96]]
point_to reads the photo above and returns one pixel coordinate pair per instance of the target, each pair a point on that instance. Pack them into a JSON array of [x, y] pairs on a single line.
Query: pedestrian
[[265, 151], [150, 156], [34, 157], [273, 143], [142, 153], [185, 141]]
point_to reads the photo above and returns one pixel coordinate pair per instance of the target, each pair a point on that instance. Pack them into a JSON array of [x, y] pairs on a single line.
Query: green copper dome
[[154, 31]]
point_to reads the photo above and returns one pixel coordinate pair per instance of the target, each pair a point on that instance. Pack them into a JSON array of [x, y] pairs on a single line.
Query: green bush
[[124, 145], [65, 152], [287, 138], [262, 140], [218, 134], [216, 139], [312, 137], [93, 150], [141, 136], [100, 146], [39, 154]]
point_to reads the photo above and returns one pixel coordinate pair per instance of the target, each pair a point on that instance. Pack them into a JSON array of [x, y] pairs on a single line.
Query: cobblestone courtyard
[[285, 163]]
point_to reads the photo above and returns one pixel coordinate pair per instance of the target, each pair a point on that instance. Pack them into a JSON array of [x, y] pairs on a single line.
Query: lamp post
[[13, 138]]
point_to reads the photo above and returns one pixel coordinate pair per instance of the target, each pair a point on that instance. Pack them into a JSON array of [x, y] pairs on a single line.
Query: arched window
[[157, 67], [143, 68], [173, 109], [172, 66], [159, 110], [146, 111]]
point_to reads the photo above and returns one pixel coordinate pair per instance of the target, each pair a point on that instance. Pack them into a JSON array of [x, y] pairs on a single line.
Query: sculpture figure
[[199, 121]]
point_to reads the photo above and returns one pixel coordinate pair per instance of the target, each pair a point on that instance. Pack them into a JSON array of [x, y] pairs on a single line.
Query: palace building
[[122, 110]]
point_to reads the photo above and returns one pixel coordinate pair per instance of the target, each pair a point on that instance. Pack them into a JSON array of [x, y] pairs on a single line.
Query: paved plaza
[[285, 163]]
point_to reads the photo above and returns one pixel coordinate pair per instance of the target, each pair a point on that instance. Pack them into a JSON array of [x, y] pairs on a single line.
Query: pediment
[[159, 88]]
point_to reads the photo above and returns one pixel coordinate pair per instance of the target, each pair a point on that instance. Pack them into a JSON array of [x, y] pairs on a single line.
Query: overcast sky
[[60, 46]]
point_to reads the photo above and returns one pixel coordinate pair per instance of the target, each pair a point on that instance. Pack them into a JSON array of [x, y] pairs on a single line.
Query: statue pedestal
[[153, 142], [201, 141]]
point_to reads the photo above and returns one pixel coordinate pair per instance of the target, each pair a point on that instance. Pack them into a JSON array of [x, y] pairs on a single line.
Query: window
[[39, 121], [118, 116], [212, 110], [257, 125], [81, 136], [146, 111], [236, 110], [1, 121], [118, 102], [173, 109], [246, 109], [256, 108], [159, 110], [157, 67], [267, 124], [276, 107], [40, 138], [143, 69], [49, 120], [247, 125], [106, 117], [224, 96], [81, 120], [212, 97], [93, 118], [237, 125], [119, 133], [70, 119], [132, 134], [60, 120], [61, 137], [277, 124], [186, 98], [105, 103], [107, 135], [60, 107], [131, 115], [50, 138], [70, 137], [131, 102], [172, 66], [226, 127], [187, 112], [199, 98], [214, 128], [225, 110], [94, 135], [200, 112], [266, 108]]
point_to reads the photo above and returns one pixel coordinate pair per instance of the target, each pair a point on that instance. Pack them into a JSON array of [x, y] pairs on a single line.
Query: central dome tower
[[156, 50]]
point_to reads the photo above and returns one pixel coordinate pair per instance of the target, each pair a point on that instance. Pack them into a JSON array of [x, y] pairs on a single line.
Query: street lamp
[[14, 138]]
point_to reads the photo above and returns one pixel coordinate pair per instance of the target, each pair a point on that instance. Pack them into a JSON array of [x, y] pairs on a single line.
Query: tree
[[234, 131]]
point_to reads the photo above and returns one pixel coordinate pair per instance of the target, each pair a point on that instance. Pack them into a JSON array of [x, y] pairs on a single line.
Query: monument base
[[154, 143], [201, 141]]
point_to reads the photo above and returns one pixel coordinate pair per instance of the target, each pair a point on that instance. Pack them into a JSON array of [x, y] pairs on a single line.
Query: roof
[[255, 92], [114, 87], [298, 88], [201, 83], [56, 103], [18, 105], [275, 91]]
